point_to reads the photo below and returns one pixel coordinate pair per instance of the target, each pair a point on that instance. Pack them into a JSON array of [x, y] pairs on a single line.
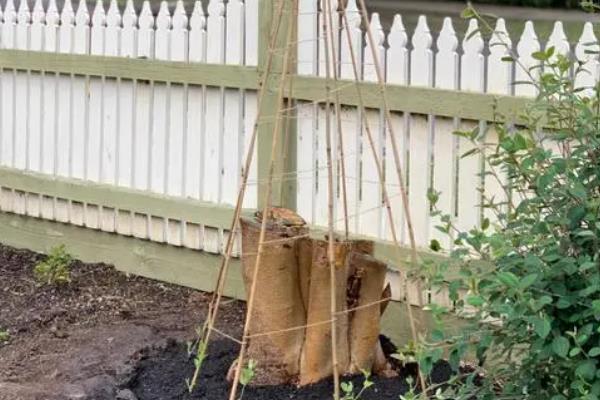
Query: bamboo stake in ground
[[331, 238], [267, 203], [213, 308], [338, 112], [378, 164]]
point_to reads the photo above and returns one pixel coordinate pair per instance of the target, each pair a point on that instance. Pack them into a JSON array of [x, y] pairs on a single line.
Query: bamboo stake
[[338, 112], [331, 238], [380, 171], [263, 227], [224, 268]]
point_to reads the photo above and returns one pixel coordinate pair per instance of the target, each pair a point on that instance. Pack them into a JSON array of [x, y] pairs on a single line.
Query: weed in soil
[[4, 336], [55, 269]]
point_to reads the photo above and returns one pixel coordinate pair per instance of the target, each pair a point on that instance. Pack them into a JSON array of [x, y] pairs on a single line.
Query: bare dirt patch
[[82, 340]]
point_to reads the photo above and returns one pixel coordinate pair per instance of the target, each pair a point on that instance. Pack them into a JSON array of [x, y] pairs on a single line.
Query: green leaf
[[541, 326], [528, 281], [520, 142], [509, 279], [433, 196], [560, 346], [594, 352], [437, 335], [586, 369], [426, 365], [587, 265], [485, 224], [574, 351], [470, 152], [563, 303], [475, 301], [347, 387], [467, 13], [539, 55], [435, 245]]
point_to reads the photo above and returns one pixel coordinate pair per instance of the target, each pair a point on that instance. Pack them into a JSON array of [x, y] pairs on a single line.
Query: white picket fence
[[430, 151], [189, 141], [177, 140]]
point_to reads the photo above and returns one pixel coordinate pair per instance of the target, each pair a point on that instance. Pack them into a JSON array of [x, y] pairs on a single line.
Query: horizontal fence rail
[[124, 122]]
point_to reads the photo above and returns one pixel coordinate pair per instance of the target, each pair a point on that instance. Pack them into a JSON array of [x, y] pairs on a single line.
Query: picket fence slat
[[306, 145], [469, 168], [251, 8], [444, 143], [397, 74], [420, 132], [586, 51]]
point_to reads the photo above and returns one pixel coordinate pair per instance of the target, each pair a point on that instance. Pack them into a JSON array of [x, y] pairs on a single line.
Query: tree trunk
[[293, 291], [278, 302], [315, 363], [364, 330]]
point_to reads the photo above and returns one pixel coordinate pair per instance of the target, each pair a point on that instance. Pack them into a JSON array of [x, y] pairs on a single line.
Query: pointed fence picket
[[444, 142]]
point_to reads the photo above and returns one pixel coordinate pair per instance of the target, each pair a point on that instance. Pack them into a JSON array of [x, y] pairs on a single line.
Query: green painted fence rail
[[418, 100]]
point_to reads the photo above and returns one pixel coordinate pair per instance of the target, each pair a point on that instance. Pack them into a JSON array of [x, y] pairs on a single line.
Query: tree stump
[[290, 328]]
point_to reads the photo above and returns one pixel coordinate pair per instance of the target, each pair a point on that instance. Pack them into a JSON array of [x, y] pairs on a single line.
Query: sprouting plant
[[348, 387], [4, 336], [198, 360], [406, 354], [55, 269], [410, 394], [247, 375]]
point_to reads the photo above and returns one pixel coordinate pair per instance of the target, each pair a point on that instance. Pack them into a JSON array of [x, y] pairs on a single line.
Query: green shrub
[[534, 301], [56, 268]]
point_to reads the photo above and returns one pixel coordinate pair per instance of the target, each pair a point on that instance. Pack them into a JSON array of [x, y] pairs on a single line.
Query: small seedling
[[198, 360], [56, 268], [4, 336], [348, 387], [246, 375], [411, 394], [407, 354]]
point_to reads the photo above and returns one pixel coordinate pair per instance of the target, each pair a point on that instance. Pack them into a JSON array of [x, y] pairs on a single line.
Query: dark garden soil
[[161, 371], [107, 335]]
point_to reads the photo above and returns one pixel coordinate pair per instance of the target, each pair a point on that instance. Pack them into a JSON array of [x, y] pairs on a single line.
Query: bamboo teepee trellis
[[283, 8]]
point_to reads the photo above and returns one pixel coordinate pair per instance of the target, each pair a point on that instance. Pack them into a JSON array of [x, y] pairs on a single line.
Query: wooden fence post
[[284, 183]]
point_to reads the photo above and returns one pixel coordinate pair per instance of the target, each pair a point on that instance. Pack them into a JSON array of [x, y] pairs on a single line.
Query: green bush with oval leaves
[[532, 298]]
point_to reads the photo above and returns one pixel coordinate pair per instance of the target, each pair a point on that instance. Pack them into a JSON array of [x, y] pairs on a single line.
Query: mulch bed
[[108, 335], [161, 371]]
